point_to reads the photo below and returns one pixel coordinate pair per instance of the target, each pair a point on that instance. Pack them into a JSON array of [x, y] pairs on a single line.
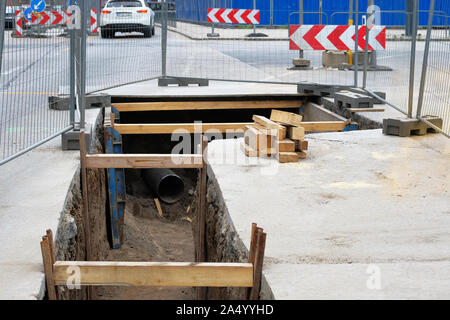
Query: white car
[[127, 16]]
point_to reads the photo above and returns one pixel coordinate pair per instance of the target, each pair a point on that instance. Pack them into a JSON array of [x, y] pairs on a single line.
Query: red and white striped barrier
[[243, 16], [19, 22], [50, 18], [94, 28], [319, 37]]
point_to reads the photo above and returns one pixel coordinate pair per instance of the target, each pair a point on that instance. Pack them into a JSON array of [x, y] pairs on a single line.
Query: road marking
[[35, 93]]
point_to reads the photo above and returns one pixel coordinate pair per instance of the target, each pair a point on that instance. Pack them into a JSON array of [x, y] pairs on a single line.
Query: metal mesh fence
[[389, 71], [34, 66], [126, 47], [241, 53], [435, 91]]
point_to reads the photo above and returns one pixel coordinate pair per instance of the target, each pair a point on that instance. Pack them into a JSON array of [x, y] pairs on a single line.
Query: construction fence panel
[[435, 92], [126, 53], [34, 65], [244, 51], [389, 70]]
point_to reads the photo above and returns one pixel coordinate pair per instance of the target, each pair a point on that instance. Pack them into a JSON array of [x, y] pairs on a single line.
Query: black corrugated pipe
[[165, 183]]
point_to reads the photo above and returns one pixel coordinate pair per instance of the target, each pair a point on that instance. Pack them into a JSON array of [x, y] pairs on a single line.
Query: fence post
[[164, 38], [72, 97], [366, 49], [271, 13], [254, 8], [2, 30], [413, 59], [300, 22], [356, 41], [85, 13], [77, 66], [320, 11], [350, 23], [425, 60]]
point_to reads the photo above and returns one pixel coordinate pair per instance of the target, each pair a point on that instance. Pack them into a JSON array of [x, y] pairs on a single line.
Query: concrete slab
[[362, 204], [33, 190]]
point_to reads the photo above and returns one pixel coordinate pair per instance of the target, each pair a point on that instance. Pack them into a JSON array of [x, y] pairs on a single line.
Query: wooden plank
[[286, 157], [144, 161], [286, 145], [158, 207], [269, 124], [258, 140], [301, 145], [170, 128], [84, 194], [324, 126], [252, 251], [301, 154], [207, 105], [354, 110], [51, 244], [248, 151], [296, 133], [258, 265], [268, 132], [202, 212], [202, 204], [48, 269], [286, 118], [159, 274]]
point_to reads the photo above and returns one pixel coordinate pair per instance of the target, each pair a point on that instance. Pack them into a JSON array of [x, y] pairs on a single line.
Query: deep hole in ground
[[147, 235]]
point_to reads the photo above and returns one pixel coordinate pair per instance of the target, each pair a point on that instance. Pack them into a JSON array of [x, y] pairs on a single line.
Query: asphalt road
[[33, 69]]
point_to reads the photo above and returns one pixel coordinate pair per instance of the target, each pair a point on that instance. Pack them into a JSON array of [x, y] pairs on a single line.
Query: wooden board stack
[[282, 135]]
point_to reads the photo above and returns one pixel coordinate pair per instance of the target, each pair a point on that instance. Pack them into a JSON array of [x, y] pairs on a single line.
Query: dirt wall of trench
[[223, 242], [70, 240]]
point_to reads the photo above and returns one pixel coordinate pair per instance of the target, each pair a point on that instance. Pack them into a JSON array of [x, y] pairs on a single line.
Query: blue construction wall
[[336, 10]]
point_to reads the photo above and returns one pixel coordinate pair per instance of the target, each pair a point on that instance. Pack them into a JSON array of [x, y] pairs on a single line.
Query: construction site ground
[[359, 202]]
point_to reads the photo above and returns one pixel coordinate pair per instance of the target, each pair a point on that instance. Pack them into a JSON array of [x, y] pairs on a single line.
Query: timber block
[[296, 133], [286, 118], [286, 145], [301, 145], [287, 157], [404, 127]]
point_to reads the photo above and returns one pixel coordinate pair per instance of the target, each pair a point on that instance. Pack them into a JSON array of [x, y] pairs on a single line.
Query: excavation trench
[[148, 234]]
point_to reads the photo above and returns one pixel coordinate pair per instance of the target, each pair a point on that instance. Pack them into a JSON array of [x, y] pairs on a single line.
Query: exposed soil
[[149, 237]]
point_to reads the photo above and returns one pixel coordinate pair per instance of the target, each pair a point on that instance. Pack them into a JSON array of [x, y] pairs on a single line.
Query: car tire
[[148, 32], [153, 31], [106, 34]]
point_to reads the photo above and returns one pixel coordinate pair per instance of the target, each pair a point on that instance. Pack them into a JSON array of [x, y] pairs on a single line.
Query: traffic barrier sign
[[29, 14], [94, 21], [38, 5], [320, 37], [242, 16], [19, 22], [49, 18]]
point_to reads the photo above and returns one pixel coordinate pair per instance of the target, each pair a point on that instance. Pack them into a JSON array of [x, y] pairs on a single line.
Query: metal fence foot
[[71, 140], [182, 82], [62, 102], [405, 127]]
